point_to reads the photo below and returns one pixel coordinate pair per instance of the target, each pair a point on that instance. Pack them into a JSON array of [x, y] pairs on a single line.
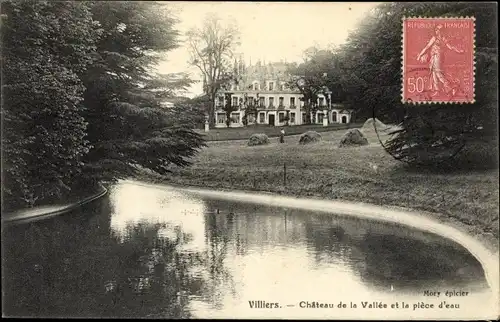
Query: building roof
[[276, 71]]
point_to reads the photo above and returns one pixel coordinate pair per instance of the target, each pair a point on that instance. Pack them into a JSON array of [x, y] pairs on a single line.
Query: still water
[[156, 252]]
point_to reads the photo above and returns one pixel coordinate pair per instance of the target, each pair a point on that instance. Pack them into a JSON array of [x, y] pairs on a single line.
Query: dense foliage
[[45, 46], [127, 124], [370, 67], [318, 74], [365, 73], [80, 98], [250, 109], [228, 108], [191, 111]]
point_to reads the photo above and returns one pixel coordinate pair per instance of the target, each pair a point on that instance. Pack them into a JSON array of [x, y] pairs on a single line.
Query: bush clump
[[310, 137], [258, 139], [353, 137]]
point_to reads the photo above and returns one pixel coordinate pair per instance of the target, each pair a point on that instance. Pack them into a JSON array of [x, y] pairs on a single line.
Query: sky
[[269, 31]]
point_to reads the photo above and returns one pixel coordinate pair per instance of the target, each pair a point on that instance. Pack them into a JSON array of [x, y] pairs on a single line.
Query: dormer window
[[270, 86], [256, 86]]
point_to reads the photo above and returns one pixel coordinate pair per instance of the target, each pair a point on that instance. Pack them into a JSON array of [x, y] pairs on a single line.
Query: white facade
[[272, 113], [276, 104]]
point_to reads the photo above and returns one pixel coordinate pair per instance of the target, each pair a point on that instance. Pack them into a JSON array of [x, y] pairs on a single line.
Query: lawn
[[366, 174], [243, 133]]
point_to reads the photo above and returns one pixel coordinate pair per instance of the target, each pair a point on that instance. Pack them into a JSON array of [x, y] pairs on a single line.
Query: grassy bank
[[243, 133], [366, 174]]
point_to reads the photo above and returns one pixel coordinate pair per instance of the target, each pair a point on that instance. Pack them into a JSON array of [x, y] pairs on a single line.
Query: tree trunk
[[211, 111]]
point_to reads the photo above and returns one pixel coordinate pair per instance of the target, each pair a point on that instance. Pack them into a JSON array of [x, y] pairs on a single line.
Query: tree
[[312, 77], [191, 111], [370, 62], [228, 108], [45, 46], [127, 124], [211, 51], [249, 108], [81, 101]]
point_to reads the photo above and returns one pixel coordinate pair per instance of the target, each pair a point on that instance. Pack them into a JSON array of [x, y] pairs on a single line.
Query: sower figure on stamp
[[435, 45]]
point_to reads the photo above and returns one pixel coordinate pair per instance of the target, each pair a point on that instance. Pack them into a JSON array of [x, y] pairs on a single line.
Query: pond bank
[[474, 228], [466, 197], [427, 222], [46, 211]]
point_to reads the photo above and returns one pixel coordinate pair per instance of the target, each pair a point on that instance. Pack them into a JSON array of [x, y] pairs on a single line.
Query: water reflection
[[155, 252], [82, 268]]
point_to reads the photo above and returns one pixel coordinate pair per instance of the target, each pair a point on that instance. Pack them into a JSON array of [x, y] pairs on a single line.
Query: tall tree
[[191, 111], [127, 124], [45, 45], [249, 108], [81, 99], [370, 62], [315, 76], [211, 50], [228, 108]]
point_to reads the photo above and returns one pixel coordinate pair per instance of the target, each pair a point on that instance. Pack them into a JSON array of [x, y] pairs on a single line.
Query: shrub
[[258, 139], [353, 137], [310, 137]]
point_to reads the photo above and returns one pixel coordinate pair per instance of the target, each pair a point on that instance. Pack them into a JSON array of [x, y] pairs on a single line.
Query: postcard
[[250, 160]]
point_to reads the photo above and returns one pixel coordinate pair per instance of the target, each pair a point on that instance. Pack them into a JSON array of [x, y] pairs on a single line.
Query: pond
[[158, 252]]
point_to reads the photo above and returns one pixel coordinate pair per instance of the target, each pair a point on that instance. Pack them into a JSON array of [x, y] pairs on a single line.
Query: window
[[262, 118], [271, 101], [271, 86], [292, 101], [334, 116], [304, 121], [262, 101], [235, 101], [256, 86], [281, 117], [235, 117], [281, 100], [321, 101], [320, 117], [292, 117], [221, 118], [250, 100], [221, 100]]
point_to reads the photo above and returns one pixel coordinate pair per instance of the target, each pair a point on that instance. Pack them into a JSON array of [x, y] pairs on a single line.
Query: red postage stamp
[[438, 60]]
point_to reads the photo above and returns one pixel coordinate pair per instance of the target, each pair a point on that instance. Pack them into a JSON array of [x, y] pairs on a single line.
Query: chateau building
[[264, 86]]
